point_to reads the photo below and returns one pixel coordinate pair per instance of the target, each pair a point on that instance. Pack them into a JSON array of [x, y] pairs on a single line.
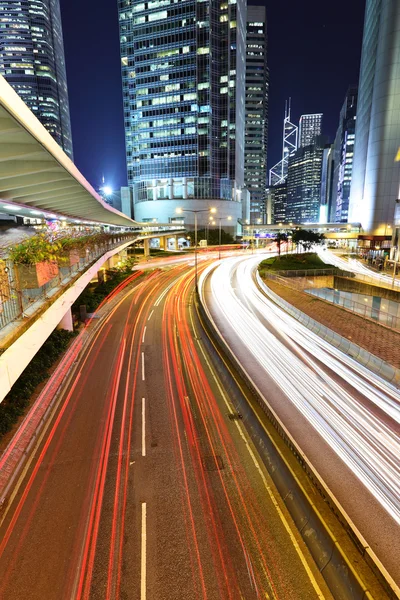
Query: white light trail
[[361, 422]]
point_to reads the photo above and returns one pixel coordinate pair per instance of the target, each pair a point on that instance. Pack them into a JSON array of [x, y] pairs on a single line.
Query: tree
[[279, 238], [307, 238]]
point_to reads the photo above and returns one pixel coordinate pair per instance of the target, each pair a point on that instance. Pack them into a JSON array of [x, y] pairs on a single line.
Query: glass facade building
[[376, 173], [343, 158], [310, 126], [304, 184], [256, 104], [32, 61], [183, 75]]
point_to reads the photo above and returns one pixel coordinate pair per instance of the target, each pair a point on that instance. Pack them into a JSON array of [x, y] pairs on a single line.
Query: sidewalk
[[378, 340]]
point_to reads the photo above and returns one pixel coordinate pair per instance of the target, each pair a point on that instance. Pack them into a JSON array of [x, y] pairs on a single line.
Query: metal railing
[[17, 302], [372, 362], [308, 273], [364, 310]]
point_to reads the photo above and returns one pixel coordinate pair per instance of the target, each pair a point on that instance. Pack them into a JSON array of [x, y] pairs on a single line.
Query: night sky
[[314, 51]]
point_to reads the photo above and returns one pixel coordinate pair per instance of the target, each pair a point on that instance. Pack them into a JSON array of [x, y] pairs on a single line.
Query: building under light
[[183, 73], [256, 129], [374, 195], [32, 60], [304, 184], [310, 127], [343, 158], [278, 173]]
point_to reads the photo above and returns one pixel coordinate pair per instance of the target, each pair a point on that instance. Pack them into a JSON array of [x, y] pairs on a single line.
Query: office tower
[[376, 173], [256, 104], [278, 203], [310, 126], [327, 171], [304, 183], [32, 60], [183, 73], [278, 173], [343, 158]]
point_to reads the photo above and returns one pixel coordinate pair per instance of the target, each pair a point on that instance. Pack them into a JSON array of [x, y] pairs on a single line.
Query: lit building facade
[[278, 203], [376, 172], [327, 173], [343, 158], [256, 105], [183, 74], [278, 173], [310, 126], [32, 61], [304, 184]]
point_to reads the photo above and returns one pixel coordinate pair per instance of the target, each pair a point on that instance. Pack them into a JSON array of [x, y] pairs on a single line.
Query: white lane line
[[143, 427], [161, 296], [144, 333], [143, 376], [150, 315], [143, 553]]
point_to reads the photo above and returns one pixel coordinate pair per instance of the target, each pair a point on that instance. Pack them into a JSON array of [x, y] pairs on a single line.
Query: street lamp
[[219, 245], [195, 212]]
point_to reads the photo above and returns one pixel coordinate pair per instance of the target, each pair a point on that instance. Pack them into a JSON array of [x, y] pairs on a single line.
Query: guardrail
[[375, 364], [308, 273], [15, 300], [376, 314]]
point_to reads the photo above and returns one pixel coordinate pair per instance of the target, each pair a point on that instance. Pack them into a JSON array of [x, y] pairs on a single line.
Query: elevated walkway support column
[[67, 321], [162, 242], [146, 245], [176, 245]]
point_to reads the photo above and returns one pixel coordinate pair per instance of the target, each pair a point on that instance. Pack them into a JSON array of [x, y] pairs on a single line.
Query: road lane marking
[[143, 554], [161, 296], [150, 315], [144, 333], [266, 485], [143, 375], [143, 427]]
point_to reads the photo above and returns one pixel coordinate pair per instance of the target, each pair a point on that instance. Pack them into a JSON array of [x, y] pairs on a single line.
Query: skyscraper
[[327, 171], [343, 157], [32, 60], [256, 128], [376, 173], [310, 126], [304, 183], [183, 73], [278, 173]]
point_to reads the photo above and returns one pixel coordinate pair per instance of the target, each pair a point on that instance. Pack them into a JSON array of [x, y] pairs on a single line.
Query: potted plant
[[4, 284], [36, 261], [70, 249]]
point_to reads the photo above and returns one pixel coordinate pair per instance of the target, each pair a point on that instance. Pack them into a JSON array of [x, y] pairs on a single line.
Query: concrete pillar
[[176, 242], [146, 245], [162, 242], [66, 322]]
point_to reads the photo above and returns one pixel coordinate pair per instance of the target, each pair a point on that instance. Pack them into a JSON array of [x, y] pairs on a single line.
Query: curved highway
[[345, 418], [142, 487]]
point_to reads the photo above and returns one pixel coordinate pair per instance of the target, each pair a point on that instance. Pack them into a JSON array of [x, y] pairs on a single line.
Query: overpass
[[332, 231], [39, 181]]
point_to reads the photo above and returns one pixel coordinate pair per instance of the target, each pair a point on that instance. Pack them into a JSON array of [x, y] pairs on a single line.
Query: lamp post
[[220, 219], [195, 212]]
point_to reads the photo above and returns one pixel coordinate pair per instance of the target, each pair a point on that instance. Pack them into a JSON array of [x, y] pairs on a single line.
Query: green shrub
[[16, 401]]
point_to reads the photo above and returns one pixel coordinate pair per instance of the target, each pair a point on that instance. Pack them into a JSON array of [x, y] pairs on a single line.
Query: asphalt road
[[143, 487], [343, 417]]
